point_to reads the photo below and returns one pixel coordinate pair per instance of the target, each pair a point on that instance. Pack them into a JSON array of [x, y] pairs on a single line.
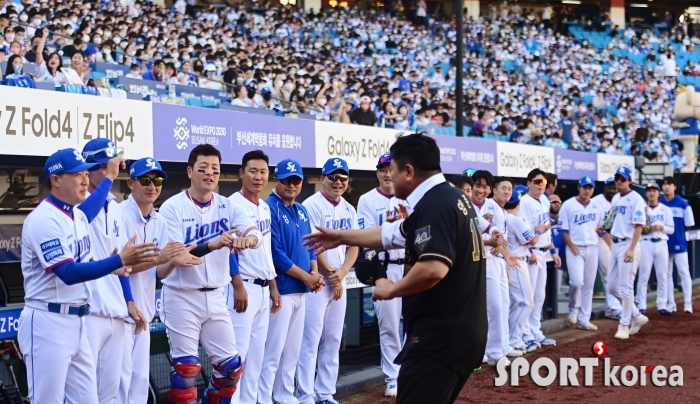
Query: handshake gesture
[[236, 244]]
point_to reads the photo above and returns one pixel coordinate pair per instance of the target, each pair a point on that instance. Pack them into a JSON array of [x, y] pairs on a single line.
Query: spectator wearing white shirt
[[241, 99]]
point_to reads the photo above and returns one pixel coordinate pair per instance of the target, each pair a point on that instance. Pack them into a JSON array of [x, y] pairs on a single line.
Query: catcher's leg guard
[[183, 379], [221, 389]]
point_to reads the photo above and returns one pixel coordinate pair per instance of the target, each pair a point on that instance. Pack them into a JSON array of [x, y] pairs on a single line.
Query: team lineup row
[[239, 264]]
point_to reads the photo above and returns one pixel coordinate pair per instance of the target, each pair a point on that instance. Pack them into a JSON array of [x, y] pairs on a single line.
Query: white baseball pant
[[582, 271], [57, 354], [521, 303], [323, 331], [621, 279], [251, 333], [194, 317], [106, 336], [655, 254], [282, 351], [538, 281], [133, 387], [611, 301], [681, 261], [389, 317], [497, 298]]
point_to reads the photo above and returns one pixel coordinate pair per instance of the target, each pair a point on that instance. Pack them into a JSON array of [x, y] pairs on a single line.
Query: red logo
[[600, 348]]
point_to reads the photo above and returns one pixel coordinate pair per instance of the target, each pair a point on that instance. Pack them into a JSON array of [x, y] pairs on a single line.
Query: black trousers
[[425, 380]]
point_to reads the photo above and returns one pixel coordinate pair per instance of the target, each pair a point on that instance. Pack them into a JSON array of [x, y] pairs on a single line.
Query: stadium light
[[288, 2], [638, 5], [570, 2]]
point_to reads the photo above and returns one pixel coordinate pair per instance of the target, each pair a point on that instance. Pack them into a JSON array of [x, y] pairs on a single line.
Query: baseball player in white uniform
[[297, 275], [678, 245], [145, 181], [325, 310], [252, 293], [57, 260], [580, 218], [655, 252], [613, 306], [534, 208], [194, 303], [372, 210], [626, 232]]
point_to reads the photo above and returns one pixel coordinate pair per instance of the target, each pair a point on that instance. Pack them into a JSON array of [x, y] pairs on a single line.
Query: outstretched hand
[[323, 240]]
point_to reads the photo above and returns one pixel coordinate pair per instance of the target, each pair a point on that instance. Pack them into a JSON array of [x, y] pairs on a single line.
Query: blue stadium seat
[[70, 88], [194, 102]]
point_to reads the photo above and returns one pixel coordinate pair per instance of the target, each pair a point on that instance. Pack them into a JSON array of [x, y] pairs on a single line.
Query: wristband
[[201, 250], [553, 251]]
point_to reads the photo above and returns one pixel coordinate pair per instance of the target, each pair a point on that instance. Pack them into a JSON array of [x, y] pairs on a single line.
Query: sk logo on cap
[[152, 164], [292, 167], [337, 163]]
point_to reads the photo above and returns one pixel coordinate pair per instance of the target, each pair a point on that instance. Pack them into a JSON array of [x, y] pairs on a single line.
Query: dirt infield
[[666, 341]]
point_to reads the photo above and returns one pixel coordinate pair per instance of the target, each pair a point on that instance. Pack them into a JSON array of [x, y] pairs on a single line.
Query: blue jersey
[[289, 225], [682, 218], [557, 238]]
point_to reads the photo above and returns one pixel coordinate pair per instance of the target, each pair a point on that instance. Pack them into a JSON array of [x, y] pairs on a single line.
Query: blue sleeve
[[233, 264], [76, 272], [279, 257], [96, 201], [126, 288]]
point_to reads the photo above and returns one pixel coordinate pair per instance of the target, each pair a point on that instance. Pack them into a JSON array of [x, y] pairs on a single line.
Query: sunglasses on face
[[338, 177], [619, 178], [556, 202], [146, 181], [290, 181], [539, 181]]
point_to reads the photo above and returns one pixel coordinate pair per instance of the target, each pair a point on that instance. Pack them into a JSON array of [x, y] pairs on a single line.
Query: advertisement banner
[[517, 160], [178, 129], [609, 163], [360, 146], [574, 165], [39, 124], [458, 154], [10, 242], [9, 322]]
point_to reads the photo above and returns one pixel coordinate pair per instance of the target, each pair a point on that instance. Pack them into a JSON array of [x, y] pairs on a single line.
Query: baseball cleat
[[672, 308], [571, 321], [502, 358], [548, 342], [664, 312], [391, 390], [623, 332], [329, 401], [613, 314], [688, 309], [531, 346], [643, 311], [587, 327], [637, 323], [516, 353]]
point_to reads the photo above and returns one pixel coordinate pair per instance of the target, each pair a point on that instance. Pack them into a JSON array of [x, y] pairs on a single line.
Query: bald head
[[554, 204]]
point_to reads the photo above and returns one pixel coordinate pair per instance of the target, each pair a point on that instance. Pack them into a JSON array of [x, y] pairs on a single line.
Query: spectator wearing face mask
[[31, 55], [479, 125], [135, 72], [364, 115], [211, 80]]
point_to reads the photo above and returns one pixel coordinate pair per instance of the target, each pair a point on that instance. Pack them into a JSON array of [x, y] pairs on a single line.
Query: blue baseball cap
[[624, 172], [469, 172], [384, 159], [264, 91], [335, 164], [100, 150], [610, 180], [586, 181], [653, 185], [518, 192], [67, 161], [288, 168], [144, 166]]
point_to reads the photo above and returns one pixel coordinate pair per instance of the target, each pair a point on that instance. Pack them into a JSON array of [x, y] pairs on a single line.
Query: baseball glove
[[609, 219], [371, 265], [647, 226]]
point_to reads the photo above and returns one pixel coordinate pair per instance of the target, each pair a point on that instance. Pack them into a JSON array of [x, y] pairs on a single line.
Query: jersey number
[[477, 241]]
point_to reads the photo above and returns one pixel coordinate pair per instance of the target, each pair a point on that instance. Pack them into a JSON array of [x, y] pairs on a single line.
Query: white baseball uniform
[[521, 294], [323, 324], [194, 303], [581, 222], [56, 350], [106, 329], [678, 250], [372, 211], [613, 305], [536, 211], [655, 252], [497, 293], [630, 214], [134, 383], [251, 326]]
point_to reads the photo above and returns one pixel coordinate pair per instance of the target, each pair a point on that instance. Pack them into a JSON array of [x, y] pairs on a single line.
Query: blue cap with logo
[[288, 168], [586, 181], [144, 166], [67, 161], [610, 180], [624, 172], [384, 159], [518, 192], [335, 164], [653, 185], [100, 150]]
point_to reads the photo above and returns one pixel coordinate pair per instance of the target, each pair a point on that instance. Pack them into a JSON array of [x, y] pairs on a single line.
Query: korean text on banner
[[609, 163], [517, 160], [574, 165], [458, 154], [178, 129], [360, 146], [39, 123]]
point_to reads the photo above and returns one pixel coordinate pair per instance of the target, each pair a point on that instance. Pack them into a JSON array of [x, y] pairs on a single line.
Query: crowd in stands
[[530, 77]]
